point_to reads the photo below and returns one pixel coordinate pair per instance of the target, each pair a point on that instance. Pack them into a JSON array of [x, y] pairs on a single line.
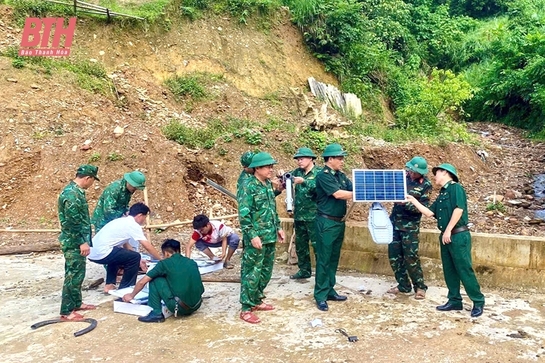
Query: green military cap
[[262, 159], [136, 179], [88, 170], [418, 165], [304, 152], [448, 167], [334, 150], [246, 158]]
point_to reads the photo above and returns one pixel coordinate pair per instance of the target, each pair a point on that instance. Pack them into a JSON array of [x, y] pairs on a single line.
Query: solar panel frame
[[379, 185]]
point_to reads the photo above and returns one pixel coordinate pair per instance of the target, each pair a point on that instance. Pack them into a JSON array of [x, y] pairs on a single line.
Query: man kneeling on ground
[[175, 280], [112, 247], [213, 234]]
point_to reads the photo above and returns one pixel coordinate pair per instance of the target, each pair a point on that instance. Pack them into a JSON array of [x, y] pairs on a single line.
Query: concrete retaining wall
[[499, 260]]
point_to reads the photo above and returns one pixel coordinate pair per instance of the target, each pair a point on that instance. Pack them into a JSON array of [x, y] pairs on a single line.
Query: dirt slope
[[47, 120]]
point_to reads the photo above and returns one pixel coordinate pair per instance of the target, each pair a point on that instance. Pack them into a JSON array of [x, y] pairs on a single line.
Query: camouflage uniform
[[304, 216], [258, 218], [75, 231], [112, 204], [242, 179], [403, 251]]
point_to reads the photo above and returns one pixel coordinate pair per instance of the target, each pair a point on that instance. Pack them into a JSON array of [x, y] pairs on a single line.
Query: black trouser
[[121, 257]]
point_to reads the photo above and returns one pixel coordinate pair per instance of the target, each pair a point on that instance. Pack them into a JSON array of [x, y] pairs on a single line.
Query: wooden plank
[[11, 230], [181, 223], [42, 247]]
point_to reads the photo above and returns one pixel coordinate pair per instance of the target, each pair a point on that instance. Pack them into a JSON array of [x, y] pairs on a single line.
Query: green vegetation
[[193, 85], [437, 62], [313, 139], [88, 75], [215, 129], [182, 86], [497, 206], [94, 157], [114, 156], [433, 63], [151, 11]]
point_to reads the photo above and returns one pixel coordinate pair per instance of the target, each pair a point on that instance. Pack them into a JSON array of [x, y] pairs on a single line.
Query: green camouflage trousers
[[255, 273], [74, 273], [404, 260], [304, 232]]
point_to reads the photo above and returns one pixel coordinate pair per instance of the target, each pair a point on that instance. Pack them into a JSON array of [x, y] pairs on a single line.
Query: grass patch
[[88, 75], [114, 156], [441, 133], [215, 129], [94, 157], [155, 11], [37, 8], [276, 123], [193, 85]]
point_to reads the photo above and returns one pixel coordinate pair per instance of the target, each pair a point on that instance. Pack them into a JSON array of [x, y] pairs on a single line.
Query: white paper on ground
[[207, 266]]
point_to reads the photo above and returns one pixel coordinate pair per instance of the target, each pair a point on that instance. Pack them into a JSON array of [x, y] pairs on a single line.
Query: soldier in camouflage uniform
[[333, 189], [75, 239], [114, 200], [403, 251], [246, 173], [260, 227], [304, 211]]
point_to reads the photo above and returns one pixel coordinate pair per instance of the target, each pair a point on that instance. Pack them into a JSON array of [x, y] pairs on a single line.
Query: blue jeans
[[121, 257]]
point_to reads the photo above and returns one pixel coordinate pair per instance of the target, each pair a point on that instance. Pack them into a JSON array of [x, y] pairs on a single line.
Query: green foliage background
[[434, 63]]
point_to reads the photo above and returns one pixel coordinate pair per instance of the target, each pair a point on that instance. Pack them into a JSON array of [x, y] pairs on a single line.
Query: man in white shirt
[[112, 246], [208, 234]]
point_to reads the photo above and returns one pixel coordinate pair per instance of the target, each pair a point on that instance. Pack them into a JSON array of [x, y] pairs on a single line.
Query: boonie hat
[[88, 170], [136, 179], [246, 158], [262, 159], [304, 152], [334, 150], [418, 165], [448, 167]]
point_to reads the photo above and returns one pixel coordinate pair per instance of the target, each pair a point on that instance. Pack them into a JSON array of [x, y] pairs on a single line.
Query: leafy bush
[[440, 95], [316, 140], [510, 76], [497, 206]]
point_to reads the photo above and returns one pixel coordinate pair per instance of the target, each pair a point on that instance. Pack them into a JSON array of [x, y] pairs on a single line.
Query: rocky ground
[[389, 328]]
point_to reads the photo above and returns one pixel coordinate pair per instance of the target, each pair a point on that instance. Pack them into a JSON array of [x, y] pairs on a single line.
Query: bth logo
[[37, 32]]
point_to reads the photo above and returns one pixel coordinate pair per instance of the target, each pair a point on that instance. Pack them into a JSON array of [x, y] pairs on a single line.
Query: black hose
[[92, 325]]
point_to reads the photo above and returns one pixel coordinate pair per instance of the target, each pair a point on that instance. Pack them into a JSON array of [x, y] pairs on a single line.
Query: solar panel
[[379, 185]]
